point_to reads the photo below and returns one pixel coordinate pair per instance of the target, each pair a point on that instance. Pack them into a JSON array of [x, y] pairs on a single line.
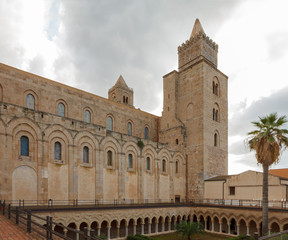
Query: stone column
[[65, 232], [142, 228], [156, 226], [229, 231], [126, 230], [163, 226], [205, 224], [134, 228], [118, 231], [98, 231], [259, 229], [248, 230], [238, 229], [108, 232], [169, 225], [77, 234], [220, 227], [149, 227], [212, 226]]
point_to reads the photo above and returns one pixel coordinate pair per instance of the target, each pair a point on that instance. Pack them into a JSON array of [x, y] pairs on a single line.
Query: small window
[[216, 140], [109, 124], [148, 163], [232, 190], [176, 167], [24, 142], [61, 110], [146, 133], [30, 101], [215, 115], [177, 141], [109, 158], [130, 161], [87, 116], [215, 88], [85, 154], [163, 166], [57, 151], [129, 129]]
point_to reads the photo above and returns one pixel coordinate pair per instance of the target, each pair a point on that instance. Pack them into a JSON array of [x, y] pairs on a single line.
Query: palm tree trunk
[[265, 200]]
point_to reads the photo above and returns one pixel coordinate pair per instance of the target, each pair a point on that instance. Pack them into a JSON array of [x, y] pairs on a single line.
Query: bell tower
[[121, 93], [195, 111]]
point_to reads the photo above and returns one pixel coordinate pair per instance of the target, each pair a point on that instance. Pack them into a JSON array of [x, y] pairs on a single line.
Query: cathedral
[[58, 142]]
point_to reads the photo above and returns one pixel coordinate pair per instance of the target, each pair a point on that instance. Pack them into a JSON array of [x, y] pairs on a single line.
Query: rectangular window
[[231, 190]]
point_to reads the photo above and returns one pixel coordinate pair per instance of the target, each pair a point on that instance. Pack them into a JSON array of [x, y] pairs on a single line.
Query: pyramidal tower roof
[[197, 28], [121, 82]]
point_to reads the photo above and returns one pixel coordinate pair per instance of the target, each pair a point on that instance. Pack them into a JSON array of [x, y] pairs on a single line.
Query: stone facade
[[58, 142]]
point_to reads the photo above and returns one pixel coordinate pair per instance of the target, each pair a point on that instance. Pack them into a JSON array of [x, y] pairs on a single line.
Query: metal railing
[[44, 227], [241, 203], [51, 203]]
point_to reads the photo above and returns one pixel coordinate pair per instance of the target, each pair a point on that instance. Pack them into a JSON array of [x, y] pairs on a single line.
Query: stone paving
[[10, 231]]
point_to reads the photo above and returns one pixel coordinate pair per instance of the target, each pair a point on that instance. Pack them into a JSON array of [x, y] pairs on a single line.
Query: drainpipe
[[223, 189]]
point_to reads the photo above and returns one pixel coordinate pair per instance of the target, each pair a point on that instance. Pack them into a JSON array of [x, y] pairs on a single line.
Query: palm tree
[[268, 140], [187, 229]]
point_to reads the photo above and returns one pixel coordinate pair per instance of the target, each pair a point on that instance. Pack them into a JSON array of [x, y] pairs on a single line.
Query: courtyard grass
[[205, 236]]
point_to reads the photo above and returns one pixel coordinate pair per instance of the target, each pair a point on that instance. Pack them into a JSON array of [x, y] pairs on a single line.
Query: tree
[[268, 141], [187, 229]]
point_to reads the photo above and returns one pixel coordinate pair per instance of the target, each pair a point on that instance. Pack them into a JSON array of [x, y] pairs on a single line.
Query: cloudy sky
[[87, 44]]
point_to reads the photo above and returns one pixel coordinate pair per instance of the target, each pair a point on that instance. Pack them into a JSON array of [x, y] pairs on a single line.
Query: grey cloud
[[36, 65], [240, 123], [137, 39], [238, 148], [277, 44]]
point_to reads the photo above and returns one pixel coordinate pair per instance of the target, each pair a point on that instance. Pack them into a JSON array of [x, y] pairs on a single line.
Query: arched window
[[57, 151], [61, 110], [130, 161], [216, 140], [87, 116], [148, 163], [216, 86], [109, 124], [163, 166], [176, 167], [30, 101], [109, 158], [146, 133], [24, 142], [124, 99], [85, 154], [216, 112], [129, 128], [215, 115]]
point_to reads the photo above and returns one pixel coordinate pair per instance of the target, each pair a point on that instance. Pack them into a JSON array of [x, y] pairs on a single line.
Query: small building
[[246, 186]]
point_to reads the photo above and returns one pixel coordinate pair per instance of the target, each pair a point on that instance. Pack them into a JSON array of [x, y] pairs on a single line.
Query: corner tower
[[195, 111], [121, 93]]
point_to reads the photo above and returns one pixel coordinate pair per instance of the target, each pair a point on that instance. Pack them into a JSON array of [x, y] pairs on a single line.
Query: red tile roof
[[283, 172]]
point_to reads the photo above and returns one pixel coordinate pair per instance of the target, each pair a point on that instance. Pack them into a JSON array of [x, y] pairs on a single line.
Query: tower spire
[[197, 28]]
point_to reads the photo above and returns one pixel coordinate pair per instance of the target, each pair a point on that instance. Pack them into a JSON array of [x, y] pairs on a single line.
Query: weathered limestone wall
[[40, 175]]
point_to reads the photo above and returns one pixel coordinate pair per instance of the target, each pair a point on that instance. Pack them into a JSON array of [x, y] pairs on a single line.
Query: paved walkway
[[10, 231]]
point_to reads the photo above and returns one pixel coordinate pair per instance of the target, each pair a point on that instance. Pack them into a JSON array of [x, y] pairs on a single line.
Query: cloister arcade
[[119, 225]]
